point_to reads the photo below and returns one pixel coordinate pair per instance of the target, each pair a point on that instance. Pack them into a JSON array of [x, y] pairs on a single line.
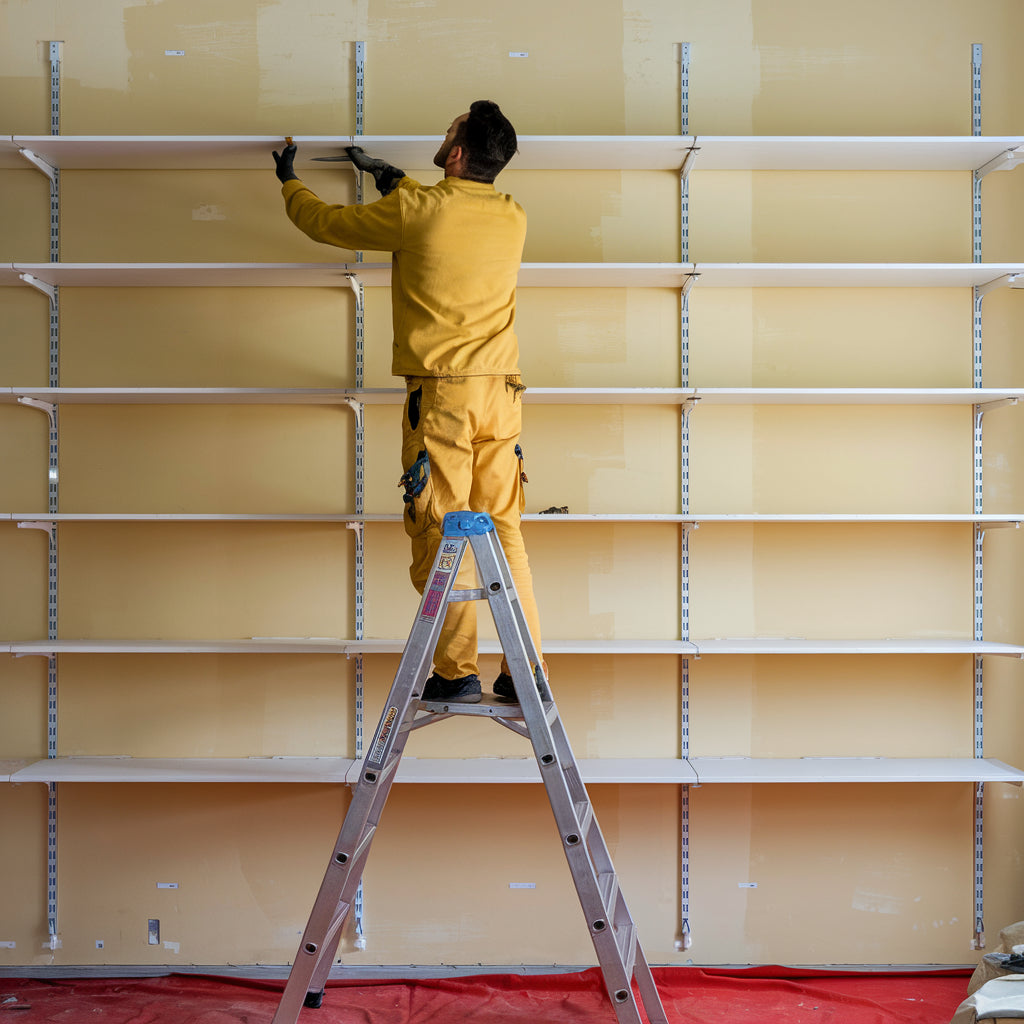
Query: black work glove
[[385, 176], [285, 171]]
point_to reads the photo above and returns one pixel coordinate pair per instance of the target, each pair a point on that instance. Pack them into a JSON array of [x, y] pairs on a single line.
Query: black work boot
[[505, 689], [466, 690]]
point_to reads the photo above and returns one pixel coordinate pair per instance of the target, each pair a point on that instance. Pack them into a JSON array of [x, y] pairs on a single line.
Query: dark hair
[[488, 139]]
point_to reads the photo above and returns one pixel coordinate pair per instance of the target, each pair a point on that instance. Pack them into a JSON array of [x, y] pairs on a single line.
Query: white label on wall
[[167, 885], [174, 947], [522, 885], [174, 53], [748, 885], [8, 945], [518, 53]]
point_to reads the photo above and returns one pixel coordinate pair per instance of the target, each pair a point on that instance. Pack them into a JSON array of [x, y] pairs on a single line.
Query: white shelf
[[532, 275], [202, 275], [185, 517], [513, 770], [852, 275], [855, 396], [183, 396], [270, 645], [326, 275], [694, 648], [532, 396], [853, 769], [325, 396], [797, 645], [995, 520], [214, 769], [536, 152], [851, 153], [910, 518]]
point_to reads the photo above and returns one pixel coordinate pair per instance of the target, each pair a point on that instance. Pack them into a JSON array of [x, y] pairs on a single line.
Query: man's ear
[[456, 158]]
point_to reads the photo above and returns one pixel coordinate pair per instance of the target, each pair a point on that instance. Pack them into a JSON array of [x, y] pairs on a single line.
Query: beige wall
[[845, 874]]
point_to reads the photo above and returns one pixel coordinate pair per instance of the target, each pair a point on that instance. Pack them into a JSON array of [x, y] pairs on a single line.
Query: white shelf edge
[[514, 770], [395, 645], [993, 519], [855, 396], [536, 152], [532, 275], [852, 770], [533, 395], [227, 769], [742, 645], [188, 517]]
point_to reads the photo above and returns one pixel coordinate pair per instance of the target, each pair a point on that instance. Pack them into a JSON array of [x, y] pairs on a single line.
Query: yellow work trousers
[[460, 450]]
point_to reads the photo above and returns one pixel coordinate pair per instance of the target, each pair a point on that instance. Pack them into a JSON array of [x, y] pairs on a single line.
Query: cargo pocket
[[523, 479], [414, 480], [413, 407]]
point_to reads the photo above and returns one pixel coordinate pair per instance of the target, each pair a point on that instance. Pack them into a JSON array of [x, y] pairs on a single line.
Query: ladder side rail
[[322, 935], [613, 936]]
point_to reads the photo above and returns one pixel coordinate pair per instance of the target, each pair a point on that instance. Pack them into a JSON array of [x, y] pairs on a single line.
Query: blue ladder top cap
[[467, 524]]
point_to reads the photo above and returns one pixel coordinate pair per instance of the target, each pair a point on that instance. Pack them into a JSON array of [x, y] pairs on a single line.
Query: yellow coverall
[[456, 250]]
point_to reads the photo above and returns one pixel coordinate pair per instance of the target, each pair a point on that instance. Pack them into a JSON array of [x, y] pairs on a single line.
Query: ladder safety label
[[433, 599], [386, 725]]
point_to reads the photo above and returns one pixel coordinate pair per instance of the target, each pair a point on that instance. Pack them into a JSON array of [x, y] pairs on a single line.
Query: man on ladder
[[456, 250]]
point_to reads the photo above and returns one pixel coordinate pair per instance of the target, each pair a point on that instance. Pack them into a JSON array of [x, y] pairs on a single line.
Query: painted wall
[[845, 874]]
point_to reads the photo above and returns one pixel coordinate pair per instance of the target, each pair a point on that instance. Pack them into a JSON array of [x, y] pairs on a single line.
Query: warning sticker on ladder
[[386, 725], [432, 602]]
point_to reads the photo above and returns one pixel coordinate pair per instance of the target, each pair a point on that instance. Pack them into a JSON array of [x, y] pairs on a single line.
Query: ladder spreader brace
[[534, 716]]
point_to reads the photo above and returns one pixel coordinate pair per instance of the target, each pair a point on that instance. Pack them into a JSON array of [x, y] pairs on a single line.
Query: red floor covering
[[691, 995]]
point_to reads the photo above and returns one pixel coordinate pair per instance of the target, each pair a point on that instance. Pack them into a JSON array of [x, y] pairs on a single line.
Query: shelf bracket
[[357, 407], [47, 168], [356, 527], [49, 290], [1006, 161], [985, 407], [34, 403], [352, 280], [1006, 281], [36, 524]]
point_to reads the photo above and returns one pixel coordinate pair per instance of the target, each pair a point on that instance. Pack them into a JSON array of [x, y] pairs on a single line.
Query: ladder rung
[[608, 886], [361, 846], [585, 816], [625, 939]]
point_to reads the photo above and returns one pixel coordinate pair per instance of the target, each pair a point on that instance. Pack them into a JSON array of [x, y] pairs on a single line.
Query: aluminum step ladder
[[534, 717]]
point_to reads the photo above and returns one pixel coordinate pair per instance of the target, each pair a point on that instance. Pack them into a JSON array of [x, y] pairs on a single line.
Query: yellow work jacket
[[456, 250]]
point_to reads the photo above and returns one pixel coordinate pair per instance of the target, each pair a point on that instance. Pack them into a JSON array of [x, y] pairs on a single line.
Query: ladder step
[[585, 816], [625, 940], [608, 886], [361, 846]]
